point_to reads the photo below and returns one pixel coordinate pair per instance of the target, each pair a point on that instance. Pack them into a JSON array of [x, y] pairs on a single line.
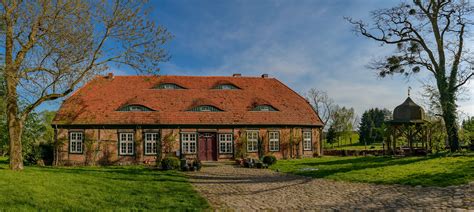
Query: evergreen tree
[[372, 120], [331, 135]]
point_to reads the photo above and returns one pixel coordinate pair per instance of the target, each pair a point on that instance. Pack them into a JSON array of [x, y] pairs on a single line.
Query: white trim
[[76, 140], [188, 143], [252, 142], [126, 144], [273, 141], [307, 140], [225, 143], [151, 140]]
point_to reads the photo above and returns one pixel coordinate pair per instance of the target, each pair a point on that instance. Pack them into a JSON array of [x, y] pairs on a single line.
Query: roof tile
[[97, 102]]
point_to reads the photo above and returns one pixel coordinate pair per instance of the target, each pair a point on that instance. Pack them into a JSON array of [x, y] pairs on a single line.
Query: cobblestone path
[[231, 187]]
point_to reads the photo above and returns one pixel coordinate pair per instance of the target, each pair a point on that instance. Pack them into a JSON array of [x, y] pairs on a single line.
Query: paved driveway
[[230, 187]]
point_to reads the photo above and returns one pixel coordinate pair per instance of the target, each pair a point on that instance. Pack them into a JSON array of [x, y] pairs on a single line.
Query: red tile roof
[[98, 101]]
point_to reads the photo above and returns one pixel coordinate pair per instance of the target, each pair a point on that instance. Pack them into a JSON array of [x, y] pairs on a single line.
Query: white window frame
[[252, 141], [151, 140], [76, 142], [274, 141], [225, 143], [126, 143], [307, 141], [188, 143]]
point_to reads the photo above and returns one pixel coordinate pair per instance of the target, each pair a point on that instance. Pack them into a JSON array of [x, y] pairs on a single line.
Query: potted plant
[[197, 164], [184, 165]]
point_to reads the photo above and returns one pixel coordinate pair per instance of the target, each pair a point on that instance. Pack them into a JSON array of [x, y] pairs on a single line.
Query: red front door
[[207, 146]]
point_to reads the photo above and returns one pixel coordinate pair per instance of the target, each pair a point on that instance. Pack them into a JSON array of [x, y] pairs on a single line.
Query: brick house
[[121, 119]]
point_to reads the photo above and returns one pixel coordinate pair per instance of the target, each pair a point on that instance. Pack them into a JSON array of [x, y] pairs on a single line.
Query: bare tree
[[429, 36], [50, 47], [322, 103]]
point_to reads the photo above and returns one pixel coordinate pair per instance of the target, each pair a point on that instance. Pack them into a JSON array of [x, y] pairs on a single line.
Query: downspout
[[56, 151], [321, 150]]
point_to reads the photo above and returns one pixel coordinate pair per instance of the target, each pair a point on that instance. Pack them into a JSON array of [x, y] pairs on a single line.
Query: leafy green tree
[[429, 36], [468, 129], [51, 47], [372, 120], [342, 120]]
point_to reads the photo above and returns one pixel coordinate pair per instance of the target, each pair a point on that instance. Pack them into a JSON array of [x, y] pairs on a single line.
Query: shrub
[[38, 153], [197, 164], [269, 159], [170, 163]]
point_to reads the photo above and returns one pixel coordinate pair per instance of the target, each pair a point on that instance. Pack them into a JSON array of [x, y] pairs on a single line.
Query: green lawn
[[424, 171], [94, 188]]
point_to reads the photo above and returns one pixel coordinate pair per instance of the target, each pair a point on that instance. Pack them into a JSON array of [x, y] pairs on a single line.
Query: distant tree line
[[340, 122]]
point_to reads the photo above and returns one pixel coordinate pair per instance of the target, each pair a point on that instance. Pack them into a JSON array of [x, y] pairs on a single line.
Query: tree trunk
[[452, 129], [14, 132], [15, 123], [448, 106]]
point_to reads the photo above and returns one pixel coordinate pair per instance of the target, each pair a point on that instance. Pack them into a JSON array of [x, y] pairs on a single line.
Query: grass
[[94, 188], [425, 171]]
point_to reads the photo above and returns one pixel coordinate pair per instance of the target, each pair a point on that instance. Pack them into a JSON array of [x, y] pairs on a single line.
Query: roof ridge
[[214, 76], [314, 111]]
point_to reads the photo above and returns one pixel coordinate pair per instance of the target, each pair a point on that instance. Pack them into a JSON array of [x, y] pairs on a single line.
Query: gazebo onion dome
[[408, 112]]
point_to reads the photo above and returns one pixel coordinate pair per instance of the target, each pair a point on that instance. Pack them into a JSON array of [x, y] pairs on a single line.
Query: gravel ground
[[230, 187]]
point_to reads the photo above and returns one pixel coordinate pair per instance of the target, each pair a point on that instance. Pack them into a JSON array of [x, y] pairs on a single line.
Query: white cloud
[[305, 45]]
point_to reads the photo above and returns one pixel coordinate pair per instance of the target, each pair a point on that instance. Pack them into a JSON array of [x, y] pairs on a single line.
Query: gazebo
[[408, 122]]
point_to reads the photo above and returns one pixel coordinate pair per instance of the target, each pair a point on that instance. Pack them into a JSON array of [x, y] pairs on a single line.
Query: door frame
[[215, 155]]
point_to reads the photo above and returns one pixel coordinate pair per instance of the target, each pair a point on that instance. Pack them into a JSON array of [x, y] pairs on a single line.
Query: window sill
[[150, 154]]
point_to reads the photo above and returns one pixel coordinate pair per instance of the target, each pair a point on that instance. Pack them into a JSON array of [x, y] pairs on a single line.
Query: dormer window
[[205, 108], [134, 108], [226, 87], [168, 86], [264, 108]]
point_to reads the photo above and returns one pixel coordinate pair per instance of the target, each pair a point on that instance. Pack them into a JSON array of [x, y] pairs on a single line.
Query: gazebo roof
[[408, 112]]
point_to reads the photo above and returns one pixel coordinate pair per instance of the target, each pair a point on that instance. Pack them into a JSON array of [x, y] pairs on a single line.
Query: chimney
[[236, 75], [264, 75], [109, 75]]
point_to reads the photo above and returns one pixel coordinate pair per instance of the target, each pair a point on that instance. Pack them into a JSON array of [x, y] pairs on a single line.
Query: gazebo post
[[408, 121]]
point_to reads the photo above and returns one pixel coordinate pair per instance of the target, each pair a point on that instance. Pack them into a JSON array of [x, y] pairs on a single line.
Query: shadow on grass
[[119, 173]]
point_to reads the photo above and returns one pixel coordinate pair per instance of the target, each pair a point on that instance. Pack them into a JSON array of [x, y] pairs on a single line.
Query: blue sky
[[305, 44]]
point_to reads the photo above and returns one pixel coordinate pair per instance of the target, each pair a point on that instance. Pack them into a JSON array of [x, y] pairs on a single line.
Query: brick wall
[[101, 145]]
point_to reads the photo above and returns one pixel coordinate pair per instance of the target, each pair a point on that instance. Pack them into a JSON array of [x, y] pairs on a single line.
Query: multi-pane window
[[307, 140], [168, 86], [126, 143], [274, 141], [226, 87], [75, 142], [205, 108], [188, 143], [151, 140], [264, 108], [225, 143], [134, 108], [252, 141]]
